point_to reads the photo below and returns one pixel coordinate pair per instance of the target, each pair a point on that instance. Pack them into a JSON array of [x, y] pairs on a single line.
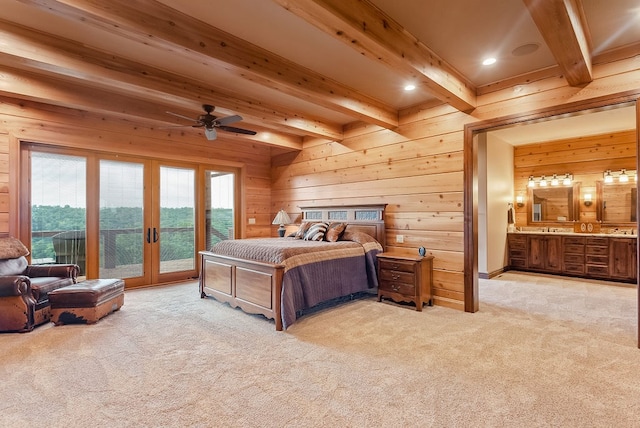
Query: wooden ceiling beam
[[367, 29], [45, 53], [562, 25], [18, 83], [154, 24]]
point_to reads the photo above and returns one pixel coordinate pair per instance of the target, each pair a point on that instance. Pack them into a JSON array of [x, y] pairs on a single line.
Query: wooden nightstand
[[405, 278]]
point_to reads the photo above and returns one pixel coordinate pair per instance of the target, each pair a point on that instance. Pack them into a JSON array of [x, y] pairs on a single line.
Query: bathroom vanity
[[598, 256]]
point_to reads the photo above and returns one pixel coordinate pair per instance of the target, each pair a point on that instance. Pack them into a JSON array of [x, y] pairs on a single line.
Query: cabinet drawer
[[597, 260], [573, 240], [573, 259], [399, 265], [518, 263], [598, 241], [577, 268], [517, 241], [597, 270], [518, 254], [597, 250], [397, 287], [397, 276], [573, 248]]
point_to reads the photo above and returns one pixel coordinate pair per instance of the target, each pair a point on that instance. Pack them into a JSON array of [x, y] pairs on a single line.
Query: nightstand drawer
[[399, 265], [398, 287], [397, 276]]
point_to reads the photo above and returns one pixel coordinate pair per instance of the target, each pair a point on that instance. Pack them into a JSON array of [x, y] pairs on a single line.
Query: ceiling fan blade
[[229, 119], [190, 119], [236, 130]]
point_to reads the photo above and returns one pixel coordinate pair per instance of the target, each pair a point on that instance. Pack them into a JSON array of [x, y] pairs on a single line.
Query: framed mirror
[[616, 203], [557, 204]]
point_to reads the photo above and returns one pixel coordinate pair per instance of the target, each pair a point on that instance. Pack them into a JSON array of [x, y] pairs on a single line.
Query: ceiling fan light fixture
[[210, 133]]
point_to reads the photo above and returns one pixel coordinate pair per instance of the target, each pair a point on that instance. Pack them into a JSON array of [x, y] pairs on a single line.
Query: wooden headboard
[[368, 219]]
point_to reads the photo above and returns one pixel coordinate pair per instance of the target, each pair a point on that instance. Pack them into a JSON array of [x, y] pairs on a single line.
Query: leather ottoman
[[86, 302]]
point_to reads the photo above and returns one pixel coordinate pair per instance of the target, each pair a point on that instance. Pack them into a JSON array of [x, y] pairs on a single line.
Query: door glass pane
[[58, 209], [121, 219], [219, 203], [177, 219]]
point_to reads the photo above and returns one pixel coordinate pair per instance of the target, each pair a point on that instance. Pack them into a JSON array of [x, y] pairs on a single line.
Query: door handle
[[155, 235], [148, 235]]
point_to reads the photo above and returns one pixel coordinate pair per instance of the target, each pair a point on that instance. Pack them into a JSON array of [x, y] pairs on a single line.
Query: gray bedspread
[[314, 272]]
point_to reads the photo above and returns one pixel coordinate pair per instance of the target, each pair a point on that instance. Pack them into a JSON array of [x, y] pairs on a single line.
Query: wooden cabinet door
[[622, 258], [535, 247], [553, 253], [545, 253]]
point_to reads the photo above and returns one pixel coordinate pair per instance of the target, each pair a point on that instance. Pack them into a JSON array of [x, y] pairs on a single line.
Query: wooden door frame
[[20, 173], [470, 163]]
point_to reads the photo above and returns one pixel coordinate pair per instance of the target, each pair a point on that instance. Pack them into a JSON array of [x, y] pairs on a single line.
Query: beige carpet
[[542, 351]]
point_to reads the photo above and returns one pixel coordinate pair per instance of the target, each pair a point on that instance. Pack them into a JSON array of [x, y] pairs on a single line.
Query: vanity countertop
[[570, 233]]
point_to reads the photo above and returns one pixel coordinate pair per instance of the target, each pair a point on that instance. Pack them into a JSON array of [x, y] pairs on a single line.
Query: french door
[[116, 217], [147, 221]]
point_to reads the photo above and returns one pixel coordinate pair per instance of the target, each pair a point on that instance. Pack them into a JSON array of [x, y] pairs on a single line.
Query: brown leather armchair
[[24, 288]]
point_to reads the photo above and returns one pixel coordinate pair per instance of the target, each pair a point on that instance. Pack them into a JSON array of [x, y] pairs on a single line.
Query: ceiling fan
[[213, 123]]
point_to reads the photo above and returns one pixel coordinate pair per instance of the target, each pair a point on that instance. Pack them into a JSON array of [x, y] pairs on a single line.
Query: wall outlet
[[252, 221], [400, 239]]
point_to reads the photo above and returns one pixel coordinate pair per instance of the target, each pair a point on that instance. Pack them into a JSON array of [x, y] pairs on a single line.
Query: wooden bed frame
[[256, 287]]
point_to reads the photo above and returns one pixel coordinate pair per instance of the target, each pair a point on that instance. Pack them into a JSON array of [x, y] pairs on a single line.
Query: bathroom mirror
[[616, 203], [553, 204]]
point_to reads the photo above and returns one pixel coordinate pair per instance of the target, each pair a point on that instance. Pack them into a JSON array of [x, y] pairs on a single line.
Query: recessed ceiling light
[[489, 61], [409, 87]]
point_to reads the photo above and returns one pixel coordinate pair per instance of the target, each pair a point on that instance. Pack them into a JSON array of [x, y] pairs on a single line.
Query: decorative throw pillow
[[302, 230], [335, 231], [316, 232], [12, 248], [15, 266]]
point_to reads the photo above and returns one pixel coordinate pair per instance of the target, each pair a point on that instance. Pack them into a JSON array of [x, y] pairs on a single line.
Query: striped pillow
[[316, 232], [302, 230]]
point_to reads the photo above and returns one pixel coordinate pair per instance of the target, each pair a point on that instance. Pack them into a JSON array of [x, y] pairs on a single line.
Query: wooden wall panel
[[417, 169], [54, 126], [586, 158]]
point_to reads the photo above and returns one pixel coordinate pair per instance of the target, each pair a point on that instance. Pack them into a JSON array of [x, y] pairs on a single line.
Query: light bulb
[[624, 178]]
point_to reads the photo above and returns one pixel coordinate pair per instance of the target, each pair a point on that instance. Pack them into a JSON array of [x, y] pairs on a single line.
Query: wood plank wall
[[29, 121], [418, 169], [587, 158]]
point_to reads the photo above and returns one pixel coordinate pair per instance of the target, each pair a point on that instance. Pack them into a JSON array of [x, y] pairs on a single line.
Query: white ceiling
[[592, 122], [320, 81]]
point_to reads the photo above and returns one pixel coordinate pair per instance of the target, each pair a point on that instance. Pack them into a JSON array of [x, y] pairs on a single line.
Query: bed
[[280, 277]]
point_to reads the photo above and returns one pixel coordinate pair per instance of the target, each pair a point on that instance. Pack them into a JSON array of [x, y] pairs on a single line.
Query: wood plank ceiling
[[296, 69]]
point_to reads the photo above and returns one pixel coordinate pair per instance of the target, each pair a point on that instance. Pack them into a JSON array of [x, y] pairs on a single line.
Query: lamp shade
[[281, 218]]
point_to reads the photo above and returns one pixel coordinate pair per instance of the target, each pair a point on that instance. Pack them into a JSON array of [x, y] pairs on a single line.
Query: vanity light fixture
[[520, 201], [555, 181], [608, 178], [623, 178], [587, 199]]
